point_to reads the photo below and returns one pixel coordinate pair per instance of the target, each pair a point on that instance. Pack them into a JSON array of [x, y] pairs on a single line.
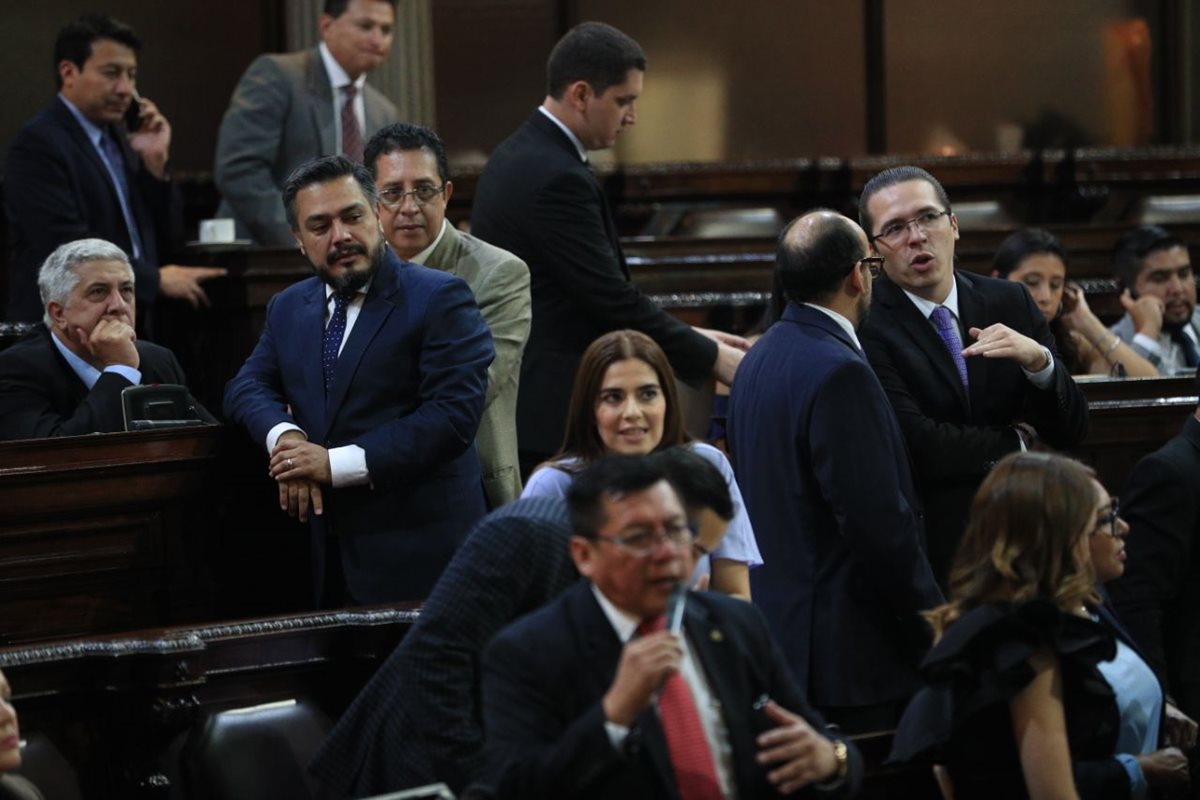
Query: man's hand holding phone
[[149, 135]]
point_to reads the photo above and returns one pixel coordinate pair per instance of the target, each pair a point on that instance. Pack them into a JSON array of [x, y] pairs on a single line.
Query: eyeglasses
[[893, 233], [644, 543], [874, 264], [1107, 523], [393, 196]]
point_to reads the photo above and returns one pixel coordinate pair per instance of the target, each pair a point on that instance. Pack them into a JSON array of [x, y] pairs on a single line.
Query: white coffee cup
[[217, 231]]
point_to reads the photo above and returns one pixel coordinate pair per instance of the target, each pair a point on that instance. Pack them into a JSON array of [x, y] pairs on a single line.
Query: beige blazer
[[500, 282]]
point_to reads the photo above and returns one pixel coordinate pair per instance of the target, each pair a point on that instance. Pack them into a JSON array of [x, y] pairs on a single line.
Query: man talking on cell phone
[[74, 172]]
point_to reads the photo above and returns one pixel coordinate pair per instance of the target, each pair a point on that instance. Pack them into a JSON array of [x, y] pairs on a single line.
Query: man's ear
[[67, 69], [578, 93], [55, 310], [954, 225], [449, 191], [323, 23], [299, 242], [856, 280], [581, 554]]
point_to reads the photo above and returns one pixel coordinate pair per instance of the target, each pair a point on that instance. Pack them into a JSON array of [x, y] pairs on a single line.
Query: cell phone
[[133, 114]]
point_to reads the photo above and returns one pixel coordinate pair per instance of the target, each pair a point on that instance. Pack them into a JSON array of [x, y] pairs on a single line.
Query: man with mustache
[[1161, 323], [290, 107], [967, 361], [367, 387]]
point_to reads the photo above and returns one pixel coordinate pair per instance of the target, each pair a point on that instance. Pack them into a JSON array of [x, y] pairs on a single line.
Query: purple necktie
[[943, 320], [352, 143]]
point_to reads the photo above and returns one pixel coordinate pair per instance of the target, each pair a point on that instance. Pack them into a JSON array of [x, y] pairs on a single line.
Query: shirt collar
[[362, 290], [337, 76], [86, 372], [420, 257], [842, 322], [926, 307], [624, 625], [94, 132], [574, 139]]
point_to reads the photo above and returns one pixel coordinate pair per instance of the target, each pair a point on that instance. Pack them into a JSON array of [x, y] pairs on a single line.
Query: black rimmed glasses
[[894, 232], [645, 542], [393, 196], [874, 264], [1107, 522]]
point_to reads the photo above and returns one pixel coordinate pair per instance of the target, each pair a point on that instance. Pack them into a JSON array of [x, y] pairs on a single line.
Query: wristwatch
[[842, 754]]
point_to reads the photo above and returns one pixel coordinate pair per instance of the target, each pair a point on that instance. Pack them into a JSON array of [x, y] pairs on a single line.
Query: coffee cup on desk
[[217, 231]]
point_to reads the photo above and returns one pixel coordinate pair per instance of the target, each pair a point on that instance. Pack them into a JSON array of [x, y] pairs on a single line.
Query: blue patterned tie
[[943, 320], [116, 163], [334, 332]]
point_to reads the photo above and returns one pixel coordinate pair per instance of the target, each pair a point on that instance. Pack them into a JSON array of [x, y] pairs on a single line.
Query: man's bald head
[[816, 252]]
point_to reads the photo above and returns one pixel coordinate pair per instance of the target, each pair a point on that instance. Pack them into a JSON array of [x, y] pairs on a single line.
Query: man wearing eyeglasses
[[967, 361], [412, 177], [826, 480], [616, 690]]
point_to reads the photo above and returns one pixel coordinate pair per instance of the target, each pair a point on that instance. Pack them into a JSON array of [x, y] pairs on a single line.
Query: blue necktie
[[116, 166], [943, 320], [1191, 357], [334, 332]]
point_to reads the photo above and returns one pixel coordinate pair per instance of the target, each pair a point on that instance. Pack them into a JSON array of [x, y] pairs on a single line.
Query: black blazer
[[827, 483], [536, 199], [544, 678], [418, 720], [57, 190], [955, 439], [1159, 594], [41, 396]]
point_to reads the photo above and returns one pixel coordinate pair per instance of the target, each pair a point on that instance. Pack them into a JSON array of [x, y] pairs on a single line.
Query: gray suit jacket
[[500, 282], [1169, 359], [280, 115]]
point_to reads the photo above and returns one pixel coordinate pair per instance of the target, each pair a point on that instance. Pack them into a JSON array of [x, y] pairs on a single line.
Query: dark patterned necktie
[[943, 320], [1191, 357], [691, 758], [334, 332], [352, 143]]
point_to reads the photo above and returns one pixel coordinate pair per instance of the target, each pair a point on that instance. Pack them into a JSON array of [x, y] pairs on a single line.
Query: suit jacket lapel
[[320, 98], [376, 307], [308, 331], [973, 312], [446, 254], [921, 332], [68, 123]]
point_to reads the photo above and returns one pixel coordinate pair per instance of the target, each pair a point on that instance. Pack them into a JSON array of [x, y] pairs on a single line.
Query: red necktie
[[352, 143], [695, 774]]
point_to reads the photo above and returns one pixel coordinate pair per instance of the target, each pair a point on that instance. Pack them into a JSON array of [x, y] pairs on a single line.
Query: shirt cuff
[[1044, 377], [616, 733], [1149, 345], [130, 374], [1137, 780], [279, 430], [348, 466]]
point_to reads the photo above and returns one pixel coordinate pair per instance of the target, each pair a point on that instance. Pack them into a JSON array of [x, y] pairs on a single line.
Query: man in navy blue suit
[[825, 476], [367, 386], [75, 172]]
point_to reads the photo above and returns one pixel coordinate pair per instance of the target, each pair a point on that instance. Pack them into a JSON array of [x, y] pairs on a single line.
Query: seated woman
[[625, 401], [12, 787], [1147, 721], [1016, 704], [1035, 258]]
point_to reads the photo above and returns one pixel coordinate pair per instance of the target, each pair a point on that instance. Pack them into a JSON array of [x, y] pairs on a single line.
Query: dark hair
[[593, 52], [1133, 247], [582, 440], [890, 177], [323, 170], [613, 475], [1021, 537], [698, 483], [813, 268], [402, 137], [1012, 253], [335, 8], [74, 41]]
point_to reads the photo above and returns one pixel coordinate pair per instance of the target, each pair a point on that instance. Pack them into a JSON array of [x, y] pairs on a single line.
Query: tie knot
[[942, 317], [350, 90], [652, 625], [342, 297]]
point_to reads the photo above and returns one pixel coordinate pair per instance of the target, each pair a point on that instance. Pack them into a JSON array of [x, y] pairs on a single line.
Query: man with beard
[[366, 387], [1161, 323], [826, 481]]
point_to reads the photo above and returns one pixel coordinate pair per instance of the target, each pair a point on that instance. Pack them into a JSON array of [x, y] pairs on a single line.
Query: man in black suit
[[74, 172], [66, 379], [569, 691], [968, 361], [539, 199], [1159, 594], [826, 479]]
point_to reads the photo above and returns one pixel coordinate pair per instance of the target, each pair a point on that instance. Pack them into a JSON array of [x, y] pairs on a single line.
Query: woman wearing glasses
[[1028, 695], [1035, 258], [624, 401]]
